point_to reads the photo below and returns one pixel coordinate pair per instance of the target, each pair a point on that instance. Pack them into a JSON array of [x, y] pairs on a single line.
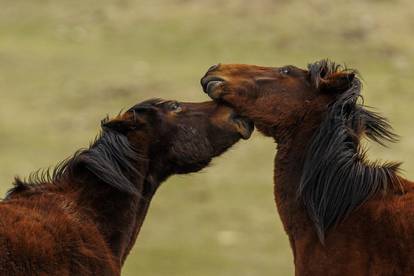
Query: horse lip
[[244, 126], [209, 83]]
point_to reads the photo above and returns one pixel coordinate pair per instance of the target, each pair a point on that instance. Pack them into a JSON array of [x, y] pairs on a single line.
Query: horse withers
[[344, 214], [83, 217]]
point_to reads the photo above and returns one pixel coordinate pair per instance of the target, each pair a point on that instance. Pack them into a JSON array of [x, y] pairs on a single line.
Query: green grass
[[65, 64]]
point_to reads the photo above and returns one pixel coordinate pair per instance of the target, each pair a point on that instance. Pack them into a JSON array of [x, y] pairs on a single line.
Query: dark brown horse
[[84, 217], [344, 215]]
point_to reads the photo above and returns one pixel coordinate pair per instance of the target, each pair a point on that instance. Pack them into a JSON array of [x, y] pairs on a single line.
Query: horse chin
[[266, 130], [191, 168]]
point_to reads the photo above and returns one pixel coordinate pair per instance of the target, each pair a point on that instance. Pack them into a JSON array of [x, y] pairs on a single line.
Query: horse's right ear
[[336, 82]]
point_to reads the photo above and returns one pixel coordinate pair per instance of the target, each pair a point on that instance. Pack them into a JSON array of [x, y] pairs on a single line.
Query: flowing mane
[[110, 158], [337, 177]]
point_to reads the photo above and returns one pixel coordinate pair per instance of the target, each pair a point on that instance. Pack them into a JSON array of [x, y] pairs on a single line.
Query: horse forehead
[[154, 101], [256, 69], [247, 68], [151, 103]]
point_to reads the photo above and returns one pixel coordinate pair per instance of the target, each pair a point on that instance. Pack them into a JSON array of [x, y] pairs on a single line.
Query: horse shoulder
[[44, 234]]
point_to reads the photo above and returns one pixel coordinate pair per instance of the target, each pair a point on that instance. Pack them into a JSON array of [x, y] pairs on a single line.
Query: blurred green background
[[64, 65]]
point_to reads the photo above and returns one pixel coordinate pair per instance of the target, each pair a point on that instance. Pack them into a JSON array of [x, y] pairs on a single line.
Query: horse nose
[[210, 82], [213, 67]]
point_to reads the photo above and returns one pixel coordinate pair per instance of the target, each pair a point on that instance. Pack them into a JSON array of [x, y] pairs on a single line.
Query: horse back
[[376, 239]]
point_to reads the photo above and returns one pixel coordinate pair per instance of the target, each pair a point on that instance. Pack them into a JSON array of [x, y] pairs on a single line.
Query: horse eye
[[174, 106], [284, 71]]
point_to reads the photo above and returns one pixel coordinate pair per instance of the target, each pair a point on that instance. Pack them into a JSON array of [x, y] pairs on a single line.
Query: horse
[[343, 214], [84, 216]]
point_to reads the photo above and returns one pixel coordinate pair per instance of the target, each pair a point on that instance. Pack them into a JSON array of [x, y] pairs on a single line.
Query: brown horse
[[84, 217], [344, 215]]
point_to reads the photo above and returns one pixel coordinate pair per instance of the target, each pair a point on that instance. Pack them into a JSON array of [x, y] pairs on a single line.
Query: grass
[[65, 64]]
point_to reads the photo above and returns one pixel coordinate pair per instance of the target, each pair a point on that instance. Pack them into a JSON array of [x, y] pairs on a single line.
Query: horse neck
[[139, 214], [289, 161], [118, 216]]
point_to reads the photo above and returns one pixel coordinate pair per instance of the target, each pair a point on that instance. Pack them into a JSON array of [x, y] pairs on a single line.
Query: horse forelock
[[319, 70]]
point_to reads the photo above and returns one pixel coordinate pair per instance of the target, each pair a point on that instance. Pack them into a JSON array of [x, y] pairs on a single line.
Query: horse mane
[[110, 158], [337, 177]]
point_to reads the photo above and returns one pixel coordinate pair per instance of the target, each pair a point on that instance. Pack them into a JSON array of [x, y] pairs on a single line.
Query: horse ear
[[133, 119], [124, 123], [337, 82], [119, 125]]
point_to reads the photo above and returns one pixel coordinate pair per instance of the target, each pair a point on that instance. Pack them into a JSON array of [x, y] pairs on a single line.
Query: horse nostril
[[213, 67], [210, 82]]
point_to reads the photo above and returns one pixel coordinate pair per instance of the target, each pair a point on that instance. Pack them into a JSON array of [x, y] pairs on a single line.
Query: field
[[64, 65]]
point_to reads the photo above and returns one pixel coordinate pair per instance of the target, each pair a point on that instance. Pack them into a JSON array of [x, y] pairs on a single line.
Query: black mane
[[110, 158], [336, 177]]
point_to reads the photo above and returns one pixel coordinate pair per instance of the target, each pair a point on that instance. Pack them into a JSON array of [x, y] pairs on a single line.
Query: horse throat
[[289, 162], [117, 215]]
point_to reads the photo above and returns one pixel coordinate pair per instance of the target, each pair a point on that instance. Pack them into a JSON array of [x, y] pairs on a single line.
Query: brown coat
[[84, 217], [344, 215]]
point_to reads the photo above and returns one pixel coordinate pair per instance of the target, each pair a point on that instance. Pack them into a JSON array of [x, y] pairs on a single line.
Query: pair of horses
[[344, 215]]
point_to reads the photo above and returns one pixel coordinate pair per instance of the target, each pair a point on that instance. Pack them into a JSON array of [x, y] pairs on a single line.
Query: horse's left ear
[[122, 123], [133, 119], [337, 82]]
